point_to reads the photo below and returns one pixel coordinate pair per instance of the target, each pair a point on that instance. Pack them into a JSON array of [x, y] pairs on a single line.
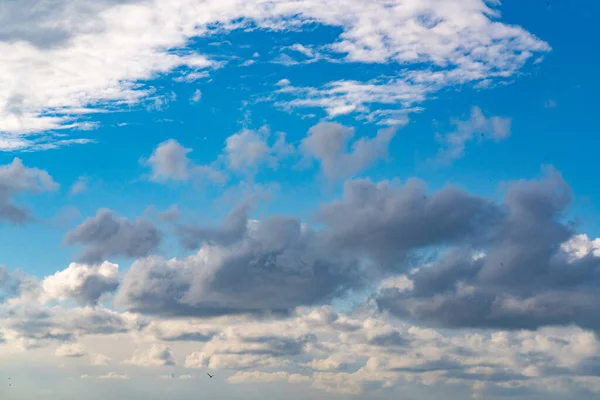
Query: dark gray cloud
[[525, 280], [108, 235], [275, 266], [232, 230], [16, 179], [388, 221]]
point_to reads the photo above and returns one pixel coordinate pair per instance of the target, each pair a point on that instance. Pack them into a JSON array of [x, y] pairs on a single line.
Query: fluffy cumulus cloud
[[389, 220], [445, 43], [249, 149], [170, 162], [16, 179], [81, 282], [157, 355], [449, 258], [108, 235], [70, 350], [534, 272], [273, 266]]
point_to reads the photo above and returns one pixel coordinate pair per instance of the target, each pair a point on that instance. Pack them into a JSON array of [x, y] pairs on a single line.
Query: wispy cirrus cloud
[[41, 92]]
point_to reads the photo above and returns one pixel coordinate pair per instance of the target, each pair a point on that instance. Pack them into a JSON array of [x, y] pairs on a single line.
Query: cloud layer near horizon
[[511, 279]]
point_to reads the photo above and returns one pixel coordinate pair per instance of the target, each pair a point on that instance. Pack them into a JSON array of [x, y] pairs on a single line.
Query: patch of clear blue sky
[[565, 136]]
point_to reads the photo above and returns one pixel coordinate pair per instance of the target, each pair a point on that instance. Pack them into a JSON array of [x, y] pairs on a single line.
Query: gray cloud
[[107, 235], [275, 266], [233, 229], [16, 179], [247, 149], [170, 162], [388, 221], [327, 142], [525, 280], [49, 23], [171, 214]]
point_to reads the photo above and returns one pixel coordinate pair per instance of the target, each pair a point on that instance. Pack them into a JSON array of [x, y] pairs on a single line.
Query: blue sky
[[139, 106]]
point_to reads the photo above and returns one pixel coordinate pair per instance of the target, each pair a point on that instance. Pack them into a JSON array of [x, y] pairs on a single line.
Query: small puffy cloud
[[16, 179], [478, 126], [99, 359], [249, 149], [170, 162], [108, 235], [110, 375], [283, 82], [71, 350], [327, 142], [196, 96], [83, 283], [157, 356], [331, 363], [581, 246], [80, 186], [267, 377]]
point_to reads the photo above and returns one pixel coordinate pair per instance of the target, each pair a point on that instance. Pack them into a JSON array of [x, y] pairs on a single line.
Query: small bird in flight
[[209, 375]]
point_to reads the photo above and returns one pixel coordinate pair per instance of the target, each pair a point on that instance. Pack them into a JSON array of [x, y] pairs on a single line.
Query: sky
[[357, 199]]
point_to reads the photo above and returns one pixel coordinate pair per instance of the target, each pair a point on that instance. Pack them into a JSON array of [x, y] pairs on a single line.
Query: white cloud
[[478, 126], [283, 82], [158, 355], [267, 377], [110, 375], [81, 282], [580, 246], [100, 359], [401, 283], [72, 350], [196, 96], [98, 58]]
